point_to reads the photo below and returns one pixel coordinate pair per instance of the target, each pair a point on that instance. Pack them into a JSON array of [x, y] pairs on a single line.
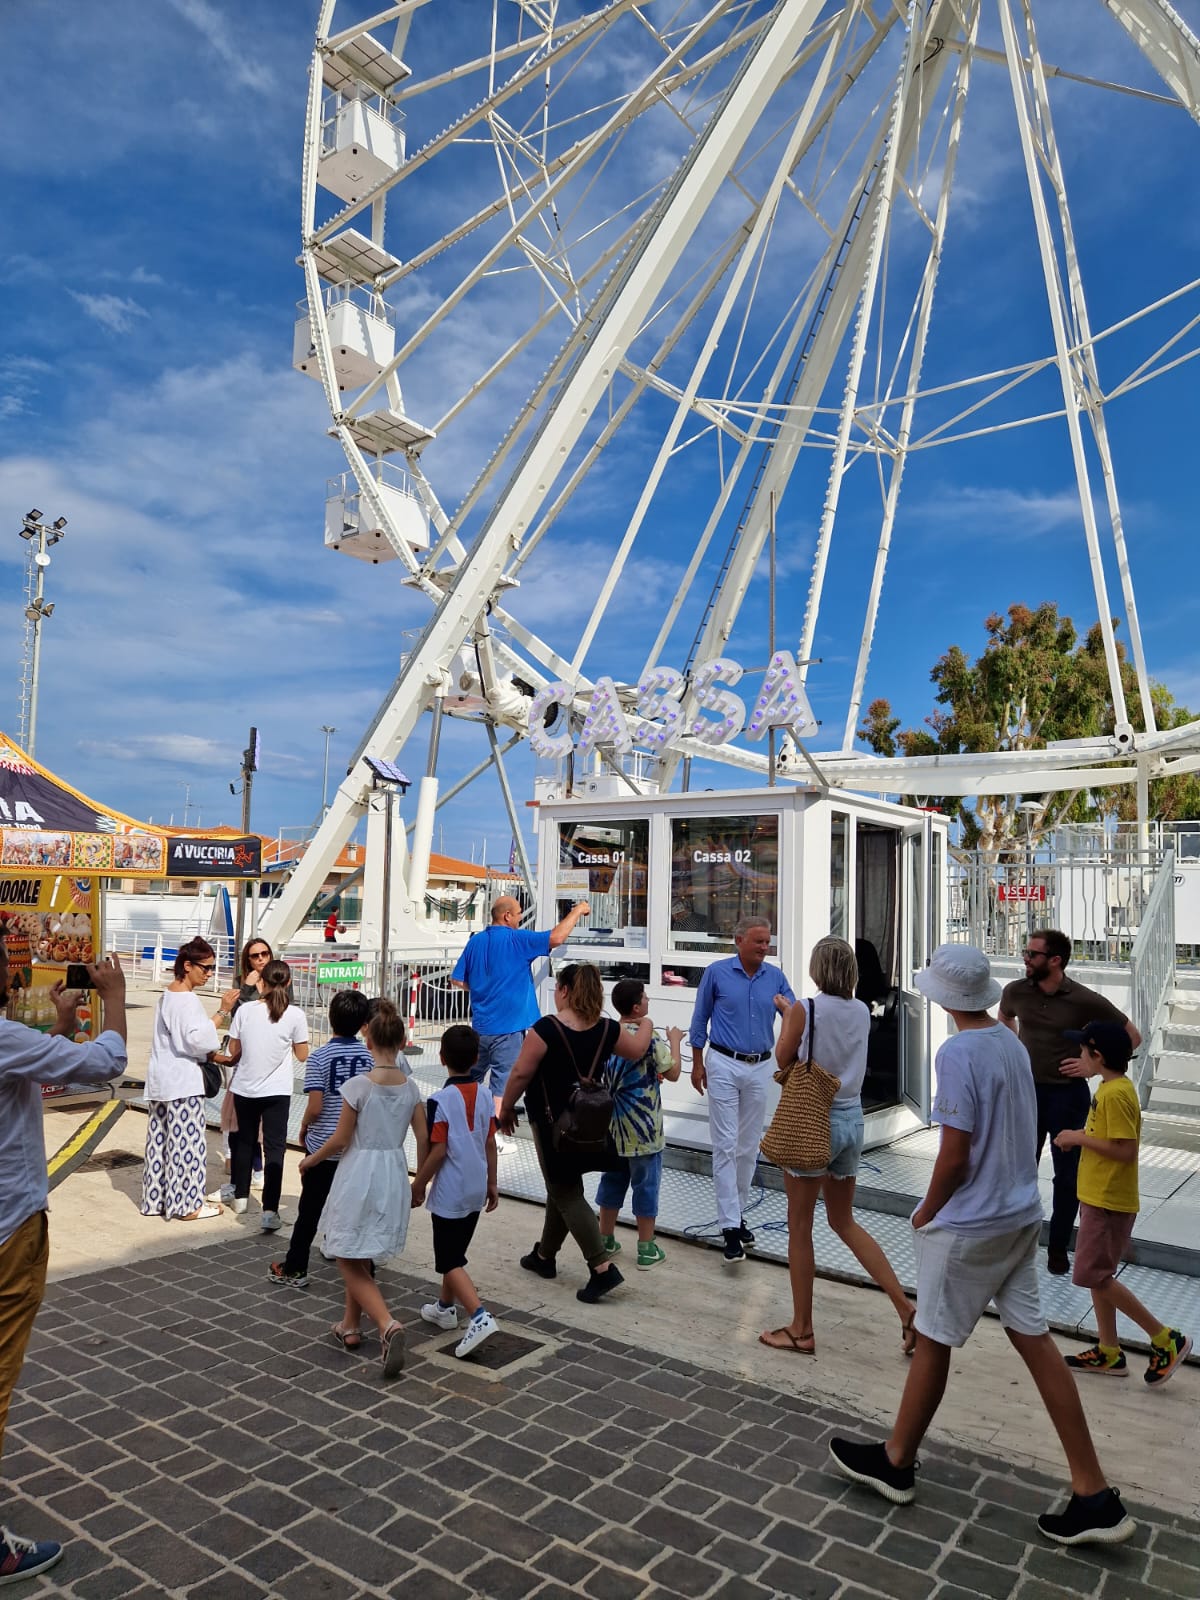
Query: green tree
[[1035, 682]]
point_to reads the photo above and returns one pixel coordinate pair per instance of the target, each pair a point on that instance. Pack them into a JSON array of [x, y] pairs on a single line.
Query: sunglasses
[[260, 955], [205, 966]]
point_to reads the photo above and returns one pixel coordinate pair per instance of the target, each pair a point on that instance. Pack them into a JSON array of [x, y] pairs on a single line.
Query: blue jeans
[[645, 1174], [497, 1054]]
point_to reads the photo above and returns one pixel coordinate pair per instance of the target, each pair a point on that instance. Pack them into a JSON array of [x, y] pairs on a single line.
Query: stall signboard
[[214, 858], [48, 921], [1023, 891], [47, 826]]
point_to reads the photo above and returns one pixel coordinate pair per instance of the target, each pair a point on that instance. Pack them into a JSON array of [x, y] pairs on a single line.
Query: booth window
[[722, 869], [604, 863]]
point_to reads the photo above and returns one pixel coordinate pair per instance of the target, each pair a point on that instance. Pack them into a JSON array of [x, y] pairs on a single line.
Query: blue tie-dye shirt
[[637, 1123]]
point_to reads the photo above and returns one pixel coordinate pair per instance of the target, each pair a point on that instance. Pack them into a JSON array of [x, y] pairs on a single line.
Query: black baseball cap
[[1106, 1039]]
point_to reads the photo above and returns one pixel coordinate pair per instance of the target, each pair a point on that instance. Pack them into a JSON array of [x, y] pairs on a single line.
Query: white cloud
[[209, 22], [180, 749], [113, 312], [141, 275], [1021, 513]]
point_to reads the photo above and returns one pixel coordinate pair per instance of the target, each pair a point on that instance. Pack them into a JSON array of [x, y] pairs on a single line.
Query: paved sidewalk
[[193, 1432]]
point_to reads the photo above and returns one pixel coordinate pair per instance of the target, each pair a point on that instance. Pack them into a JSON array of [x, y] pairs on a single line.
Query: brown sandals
[[784, 1339]]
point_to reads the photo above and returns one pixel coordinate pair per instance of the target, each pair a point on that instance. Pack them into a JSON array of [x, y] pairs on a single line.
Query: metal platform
[[896, 1174], [1166, 1275]]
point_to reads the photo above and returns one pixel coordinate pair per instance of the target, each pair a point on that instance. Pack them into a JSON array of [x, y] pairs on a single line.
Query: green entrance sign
[[340, 972]]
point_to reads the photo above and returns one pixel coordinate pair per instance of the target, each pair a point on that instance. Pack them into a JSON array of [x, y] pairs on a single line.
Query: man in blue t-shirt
[[326, 1072], [494, 969]]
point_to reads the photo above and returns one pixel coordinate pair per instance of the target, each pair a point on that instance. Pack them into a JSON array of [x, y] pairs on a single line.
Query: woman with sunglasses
[[176, 1144]]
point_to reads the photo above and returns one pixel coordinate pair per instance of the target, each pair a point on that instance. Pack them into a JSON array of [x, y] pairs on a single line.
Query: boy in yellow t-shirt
[[1108, 1207]]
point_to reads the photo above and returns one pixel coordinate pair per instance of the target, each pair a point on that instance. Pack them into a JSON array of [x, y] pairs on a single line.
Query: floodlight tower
[[40, 536]]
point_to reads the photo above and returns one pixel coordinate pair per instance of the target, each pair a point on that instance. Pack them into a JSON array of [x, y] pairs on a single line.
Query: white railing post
[[1152, 973]]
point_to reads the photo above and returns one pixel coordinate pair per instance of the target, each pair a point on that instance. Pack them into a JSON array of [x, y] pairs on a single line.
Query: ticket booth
[[669, 876]]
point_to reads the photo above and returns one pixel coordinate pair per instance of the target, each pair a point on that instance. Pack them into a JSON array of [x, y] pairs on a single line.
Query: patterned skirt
[[174, 1176]]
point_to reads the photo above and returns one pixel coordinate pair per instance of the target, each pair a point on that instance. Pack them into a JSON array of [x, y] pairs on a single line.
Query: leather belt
[[751, 1056]]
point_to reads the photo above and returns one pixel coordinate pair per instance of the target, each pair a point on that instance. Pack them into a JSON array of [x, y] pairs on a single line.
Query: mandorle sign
[[659, 721]]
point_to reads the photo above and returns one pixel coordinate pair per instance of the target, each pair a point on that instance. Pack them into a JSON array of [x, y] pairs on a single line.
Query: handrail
[[1152, 973]]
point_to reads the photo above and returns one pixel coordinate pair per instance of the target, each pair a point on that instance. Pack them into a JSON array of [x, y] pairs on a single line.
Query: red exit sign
[[1014, 891]]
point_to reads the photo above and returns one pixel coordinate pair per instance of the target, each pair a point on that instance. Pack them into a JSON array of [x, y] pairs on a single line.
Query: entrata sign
[[340, 972], [658, 720]]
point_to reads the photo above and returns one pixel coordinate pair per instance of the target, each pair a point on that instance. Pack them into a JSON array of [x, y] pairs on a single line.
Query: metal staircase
[[1176, 1087]]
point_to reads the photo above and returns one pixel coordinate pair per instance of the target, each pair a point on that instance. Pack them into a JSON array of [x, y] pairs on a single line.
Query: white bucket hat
[[959, 977]]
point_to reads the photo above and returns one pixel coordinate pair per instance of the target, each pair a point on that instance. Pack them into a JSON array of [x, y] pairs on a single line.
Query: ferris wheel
[[607, 302]]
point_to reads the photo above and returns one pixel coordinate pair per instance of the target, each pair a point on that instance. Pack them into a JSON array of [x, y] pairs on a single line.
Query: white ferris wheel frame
[[468, 586]]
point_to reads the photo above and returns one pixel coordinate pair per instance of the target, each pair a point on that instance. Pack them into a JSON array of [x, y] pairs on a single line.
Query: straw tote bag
[[798, 1137]]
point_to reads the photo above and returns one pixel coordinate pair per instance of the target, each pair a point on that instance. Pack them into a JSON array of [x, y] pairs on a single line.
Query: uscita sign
[[658, 719]]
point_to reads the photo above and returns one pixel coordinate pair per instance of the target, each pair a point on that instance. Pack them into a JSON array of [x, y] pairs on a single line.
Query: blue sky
[[146, 394]]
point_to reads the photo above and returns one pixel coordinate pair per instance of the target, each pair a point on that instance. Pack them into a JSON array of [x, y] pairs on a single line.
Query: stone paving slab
[[193, 1432]]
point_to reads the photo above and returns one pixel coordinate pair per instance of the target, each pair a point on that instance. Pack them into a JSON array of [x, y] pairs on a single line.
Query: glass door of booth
[[918, 921], [888, 910]]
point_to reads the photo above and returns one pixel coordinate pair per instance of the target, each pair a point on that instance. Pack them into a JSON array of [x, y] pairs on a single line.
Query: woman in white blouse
[[173, 1177], [840, 1026]]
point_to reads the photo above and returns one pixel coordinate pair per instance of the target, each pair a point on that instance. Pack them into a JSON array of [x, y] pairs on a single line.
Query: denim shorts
[[498, 1053], [645, 1175], [846, 1129]]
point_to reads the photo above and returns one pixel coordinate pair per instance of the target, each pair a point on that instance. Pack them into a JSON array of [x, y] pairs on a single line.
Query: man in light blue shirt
[[494, 969], [734, 1016], [28, 1059]]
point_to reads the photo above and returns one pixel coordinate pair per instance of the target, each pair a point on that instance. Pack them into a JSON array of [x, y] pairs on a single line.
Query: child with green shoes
[[637, 1127], [1108, 1196]]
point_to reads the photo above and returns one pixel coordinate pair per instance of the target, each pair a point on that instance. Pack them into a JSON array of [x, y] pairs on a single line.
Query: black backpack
[[582, 1126]]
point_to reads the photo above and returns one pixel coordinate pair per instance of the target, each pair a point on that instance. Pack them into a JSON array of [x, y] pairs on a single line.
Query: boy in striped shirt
[[326, 1071]]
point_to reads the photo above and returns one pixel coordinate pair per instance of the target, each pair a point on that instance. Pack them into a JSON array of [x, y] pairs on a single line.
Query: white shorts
[[957, 1274]]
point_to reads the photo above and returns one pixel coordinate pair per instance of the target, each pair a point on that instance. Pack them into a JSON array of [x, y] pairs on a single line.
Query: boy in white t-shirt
[[460, 1175], [976, 1236]]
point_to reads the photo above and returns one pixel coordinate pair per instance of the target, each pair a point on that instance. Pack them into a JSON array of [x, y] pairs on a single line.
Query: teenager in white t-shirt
[[264, 1037], [976, 1236]]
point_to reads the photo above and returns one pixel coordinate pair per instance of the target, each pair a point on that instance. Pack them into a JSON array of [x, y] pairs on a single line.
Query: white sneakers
[[257, 1179], [441, 1316], [271, 1221], [481, 1326], [238, 1206]]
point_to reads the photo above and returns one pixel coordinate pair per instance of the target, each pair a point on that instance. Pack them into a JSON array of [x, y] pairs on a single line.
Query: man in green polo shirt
[[1040, 1007]]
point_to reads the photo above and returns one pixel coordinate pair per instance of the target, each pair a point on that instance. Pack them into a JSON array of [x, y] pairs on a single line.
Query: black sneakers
[[745, 1235], [599, 1284], [1089, 1519], [733, 1245], [534, 1262], [1058, 1263], [869, 1464]]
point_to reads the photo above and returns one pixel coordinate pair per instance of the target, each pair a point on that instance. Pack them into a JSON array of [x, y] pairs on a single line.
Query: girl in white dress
[[366, 1215]]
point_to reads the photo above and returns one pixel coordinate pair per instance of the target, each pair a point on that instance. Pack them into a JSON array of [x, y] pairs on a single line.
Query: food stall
[[57, 848]]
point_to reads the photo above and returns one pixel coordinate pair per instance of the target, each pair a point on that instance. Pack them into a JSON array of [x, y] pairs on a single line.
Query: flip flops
[[392, 1350], [348, 1338], [804, 1345]]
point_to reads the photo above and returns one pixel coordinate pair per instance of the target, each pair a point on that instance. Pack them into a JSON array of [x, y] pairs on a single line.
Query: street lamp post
[[36, 611], [328, 732]]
